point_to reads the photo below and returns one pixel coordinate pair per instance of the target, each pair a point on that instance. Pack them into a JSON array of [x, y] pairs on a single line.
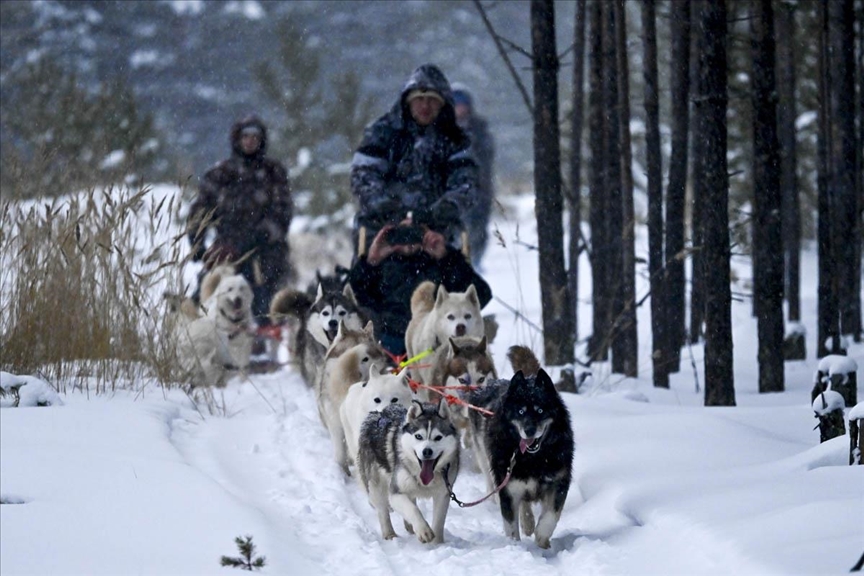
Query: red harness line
[[449, 397]]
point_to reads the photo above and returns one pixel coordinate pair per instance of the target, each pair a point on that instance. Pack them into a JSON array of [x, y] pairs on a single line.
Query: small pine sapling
[[247, 551]]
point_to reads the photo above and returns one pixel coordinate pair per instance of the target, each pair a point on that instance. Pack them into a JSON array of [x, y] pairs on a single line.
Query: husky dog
[[218, 339], [404, 454], [434, 319], [349, 360], [530, 436], [319, 323], [365, 397], [463, 362]]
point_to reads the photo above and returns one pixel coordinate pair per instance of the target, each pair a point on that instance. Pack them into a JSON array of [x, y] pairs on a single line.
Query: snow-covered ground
[[144, 483]]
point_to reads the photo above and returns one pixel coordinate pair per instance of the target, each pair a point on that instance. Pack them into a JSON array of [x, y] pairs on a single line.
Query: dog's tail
[[423, 298], [523, 358], [289, 302]]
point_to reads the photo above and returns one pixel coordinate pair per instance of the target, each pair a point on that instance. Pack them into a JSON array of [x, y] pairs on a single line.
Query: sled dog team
[[405, 440], [404, 436]]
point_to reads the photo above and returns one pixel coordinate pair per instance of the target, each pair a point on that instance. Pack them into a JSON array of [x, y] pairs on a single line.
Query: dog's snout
[[333, 323], [238, 303], [427, 453], [460, 330]]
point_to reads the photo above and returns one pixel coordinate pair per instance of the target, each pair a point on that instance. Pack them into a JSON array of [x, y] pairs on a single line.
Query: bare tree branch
[[505, 57]]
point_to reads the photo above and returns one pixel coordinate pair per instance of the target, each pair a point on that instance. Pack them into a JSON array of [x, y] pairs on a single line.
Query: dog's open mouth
[[531, 445], [427, 470]]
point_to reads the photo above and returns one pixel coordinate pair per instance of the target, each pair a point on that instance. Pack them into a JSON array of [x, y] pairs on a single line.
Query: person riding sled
[[413, 177], [247, 201]]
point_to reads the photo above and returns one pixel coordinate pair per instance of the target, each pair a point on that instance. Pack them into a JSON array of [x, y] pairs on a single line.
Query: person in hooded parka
[[413, 169], [246, 200], [483, 148]]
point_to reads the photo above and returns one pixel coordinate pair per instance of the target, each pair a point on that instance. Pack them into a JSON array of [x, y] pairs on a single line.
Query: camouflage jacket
[[401, 166]]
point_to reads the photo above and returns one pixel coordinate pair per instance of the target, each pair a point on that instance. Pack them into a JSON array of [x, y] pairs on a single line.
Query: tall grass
[[81, 284]]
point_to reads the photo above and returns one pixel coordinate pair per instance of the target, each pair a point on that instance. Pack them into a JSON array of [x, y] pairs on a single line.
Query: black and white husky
[[319, 323], [403, 456], [530, 437]]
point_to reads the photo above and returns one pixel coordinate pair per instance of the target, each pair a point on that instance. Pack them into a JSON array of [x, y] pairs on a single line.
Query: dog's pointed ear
[[443, 408], [481, 348], [442, 296], [320, 293], [348, 292], [471, 294], [454, 348], [518, 378], [414, 411], [369, 329], [544, 380]]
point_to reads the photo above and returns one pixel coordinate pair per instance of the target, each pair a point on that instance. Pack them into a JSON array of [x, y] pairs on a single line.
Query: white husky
[[435, 319], [217, 340], [349, 360], [365, 397]]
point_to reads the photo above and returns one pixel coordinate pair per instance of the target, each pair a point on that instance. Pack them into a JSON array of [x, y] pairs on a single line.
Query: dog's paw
[[389, 535], [408, 527], [543, 542], [425, 534]]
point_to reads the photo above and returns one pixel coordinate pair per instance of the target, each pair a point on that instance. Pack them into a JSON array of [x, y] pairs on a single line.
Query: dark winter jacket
[[246, 198], [401, 166], [386, 289]]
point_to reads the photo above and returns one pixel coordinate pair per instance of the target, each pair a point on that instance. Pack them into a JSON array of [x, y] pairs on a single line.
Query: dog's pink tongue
[[525, 444], [427, 471]]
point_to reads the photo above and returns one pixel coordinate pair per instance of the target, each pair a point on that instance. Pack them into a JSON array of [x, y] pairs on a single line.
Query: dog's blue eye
[[521, 411], [418, 436], [481, 379], [463, 381], [539, 410], [377, 400]]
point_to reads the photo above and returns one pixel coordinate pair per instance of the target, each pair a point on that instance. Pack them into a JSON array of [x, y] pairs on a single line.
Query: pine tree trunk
[[557, 316], [574, 198], [659, 338], [859, 221], [828, 326], [598, 346], [841, 183], [676, 190], [628, 338], [711, 103], [615, 218], [791, 217], [697, 282], [768, 254]]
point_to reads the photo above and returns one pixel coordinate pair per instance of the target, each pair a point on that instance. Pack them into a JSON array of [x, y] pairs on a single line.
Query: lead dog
[[530, 437], [403, 456]]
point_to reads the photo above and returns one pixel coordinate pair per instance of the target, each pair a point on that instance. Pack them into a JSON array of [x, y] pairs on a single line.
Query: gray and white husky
[[319, 323], [404, 454]]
